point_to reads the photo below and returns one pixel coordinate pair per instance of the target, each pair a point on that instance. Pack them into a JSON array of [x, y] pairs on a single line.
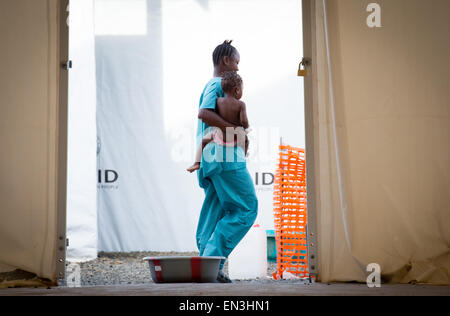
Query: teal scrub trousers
[[229, 211]]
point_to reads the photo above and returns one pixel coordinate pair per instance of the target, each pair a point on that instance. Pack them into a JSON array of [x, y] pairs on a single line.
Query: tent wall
[[380, 105], [31, 137]]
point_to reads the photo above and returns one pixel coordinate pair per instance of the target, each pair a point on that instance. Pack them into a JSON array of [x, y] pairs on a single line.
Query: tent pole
[[308, 48], [61, 242]]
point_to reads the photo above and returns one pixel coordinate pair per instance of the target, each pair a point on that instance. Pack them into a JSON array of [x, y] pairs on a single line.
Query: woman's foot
[[223, 278], [194, 167]]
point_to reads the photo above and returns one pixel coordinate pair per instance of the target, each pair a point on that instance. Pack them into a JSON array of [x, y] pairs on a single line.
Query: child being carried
[[231, 109]]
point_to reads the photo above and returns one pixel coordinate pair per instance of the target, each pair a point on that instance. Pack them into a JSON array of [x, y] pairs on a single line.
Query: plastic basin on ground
[[184, 269]]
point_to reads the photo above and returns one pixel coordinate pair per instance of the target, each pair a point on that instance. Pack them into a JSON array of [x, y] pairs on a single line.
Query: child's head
[[226, 57], [232, 84]]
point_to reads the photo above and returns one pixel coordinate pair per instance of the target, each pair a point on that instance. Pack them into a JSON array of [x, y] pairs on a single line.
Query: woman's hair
[[231, 80], [224, 49]]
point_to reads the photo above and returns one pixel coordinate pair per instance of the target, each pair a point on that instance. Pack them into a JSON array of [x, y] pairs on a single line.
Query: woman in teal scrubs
[[230, 206]]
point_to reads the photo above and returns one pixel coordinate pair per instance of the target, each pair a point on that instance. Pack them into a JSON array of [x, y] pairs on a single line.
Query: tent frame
[[61, 242], [309, 48]]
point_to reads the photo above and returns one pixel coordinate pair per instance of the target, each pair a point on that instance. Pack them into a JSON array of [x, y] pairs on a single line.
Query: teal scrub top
[[217, 155]]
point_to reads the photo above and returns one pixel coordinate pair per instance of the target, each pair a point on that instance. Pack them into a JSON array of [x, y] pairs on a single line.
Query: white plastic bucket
[[249, 259]]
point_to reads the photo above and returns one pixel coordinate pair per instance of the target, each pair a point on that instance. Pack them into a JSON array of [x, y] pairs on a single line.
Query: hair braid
[[223, 50]]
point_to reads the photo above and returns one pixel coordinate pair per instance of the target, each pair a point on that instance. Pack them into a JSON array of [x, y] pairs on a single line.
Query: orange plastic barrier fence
[[290, 213]]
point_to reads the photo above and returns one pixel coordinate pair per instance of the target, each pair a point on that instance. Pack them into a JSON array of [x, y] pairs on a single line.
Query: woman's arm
[[211, 118]]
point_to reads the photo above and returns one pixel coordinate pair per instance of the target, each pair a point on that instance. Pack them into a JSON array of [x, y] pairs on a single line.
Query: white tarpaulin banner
[[153, 59], [82, 163]]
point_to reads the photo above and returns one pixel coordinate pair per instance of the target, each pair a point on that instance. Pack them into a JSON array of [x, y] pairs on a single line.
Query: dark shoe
[[223, 278]]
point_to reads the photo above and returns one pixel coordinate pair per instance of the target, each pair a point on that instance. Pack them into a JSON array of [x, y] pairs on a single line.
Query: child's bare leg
[[246, 146], [242, 140], [198, 156]]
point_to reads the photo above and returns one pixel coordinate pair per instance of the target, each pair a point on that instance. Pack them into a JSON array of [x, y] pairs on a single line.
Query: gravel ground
[[127, 268]]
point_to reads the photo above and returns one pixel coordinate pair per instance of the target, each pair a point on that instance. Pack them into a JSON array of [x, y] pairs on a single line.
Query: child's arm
[[244, 119]]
